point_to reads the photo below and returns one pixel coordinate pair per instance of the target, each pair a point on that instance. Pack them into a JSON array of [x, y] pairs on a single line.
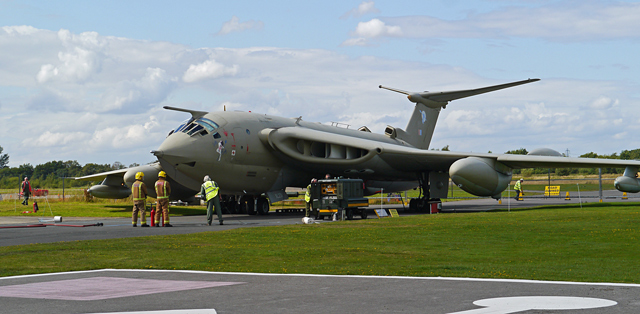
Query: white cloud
[[82, 58], [360, 41], [138, 95], [209, 69], [52, 139], [603, 103], [377, 28], [366, 7], [234, 25], [124, 137]]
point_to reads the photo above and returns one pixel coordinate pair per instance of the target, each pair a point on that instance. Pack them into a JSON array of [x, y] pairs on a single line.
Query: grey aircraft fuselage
[[237, 155]]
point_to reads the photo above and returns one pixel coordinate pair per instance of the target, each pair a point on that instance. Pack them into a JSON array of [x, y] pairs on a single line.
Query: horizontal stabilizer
[[440, 99]]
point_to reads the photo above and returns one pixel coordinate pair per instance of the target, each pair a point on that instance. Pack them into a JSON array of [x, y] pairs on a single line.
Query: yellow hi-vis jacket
[[163, 189], [210, 189], [518, 186], [307, 196], [139, 191]]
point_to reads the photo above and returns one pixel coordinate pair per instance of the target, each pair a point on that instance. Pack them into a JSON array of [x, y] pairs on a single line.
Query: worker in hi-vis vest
[[209, 191], [139, 192], [518, 188], [163, 190], [307, 199]]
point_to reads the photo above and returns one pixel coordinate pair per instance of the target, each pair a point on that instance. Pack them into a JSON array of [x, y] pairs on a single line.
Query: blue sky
[[86, 80]]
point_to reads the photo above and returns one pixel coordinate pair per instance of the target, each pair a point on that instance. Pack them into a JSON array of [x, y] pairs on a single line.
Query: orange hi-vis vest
[[161, 189], [138, 193]]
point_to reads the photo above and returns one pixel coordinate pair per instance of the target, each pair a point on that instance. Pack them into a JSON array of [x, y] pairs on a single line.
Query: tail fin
[[421, 126], [428, 105]]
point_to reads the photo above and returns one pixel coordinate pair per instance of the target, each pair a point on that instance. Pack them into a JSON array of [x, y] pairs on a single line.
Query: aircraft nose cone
[[178, 148]]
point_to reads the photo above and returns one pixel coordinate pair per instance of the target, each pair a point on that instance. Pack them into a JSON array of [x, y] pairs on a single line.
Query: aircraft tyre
[[248, 206], [413, 204], [263, 206], [363, 214], [349, 214]]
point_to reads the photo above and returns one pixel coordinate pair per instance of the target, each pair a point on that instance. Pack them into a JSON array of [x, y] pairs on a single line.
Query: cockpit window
[[183, 125], [207, 124], [202, 126]]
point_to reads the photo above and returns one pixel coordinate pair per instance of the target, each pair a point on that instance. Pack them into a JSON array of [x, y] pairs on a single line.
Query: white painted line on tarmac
[[202, 311]]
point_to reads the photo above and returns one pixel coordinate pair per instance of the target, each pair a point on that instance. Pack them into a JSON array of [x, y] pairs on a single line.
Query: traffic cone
[[624, 196], [567, 198]]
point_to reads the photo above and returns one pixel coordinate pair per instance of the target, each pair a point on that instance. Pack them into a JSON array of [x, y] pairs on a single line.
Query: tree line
[[50, 174]]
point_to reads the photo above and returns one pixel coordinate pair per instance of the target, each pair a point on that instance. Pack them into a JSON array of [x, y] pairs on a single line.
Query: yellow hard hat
[[139, 175], [162, 174]]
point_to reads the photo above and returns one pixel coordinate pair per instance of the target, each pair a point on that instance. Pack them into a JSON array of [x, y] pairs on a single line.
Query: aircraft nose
[[177, 148]]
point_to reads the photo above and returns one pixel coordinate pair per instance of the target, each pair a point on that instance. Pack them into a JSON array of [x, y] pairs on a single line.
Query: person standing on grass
[[26, 190]]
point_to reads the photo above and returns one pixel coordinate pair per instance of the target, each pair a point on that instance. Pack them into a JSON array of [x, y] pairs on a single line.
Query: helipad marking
[[549, 303], [100, 288]]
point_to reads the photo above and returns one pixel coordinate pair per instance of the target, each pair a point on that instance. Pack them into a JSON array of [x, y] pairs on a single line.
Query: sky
[[87, 80]]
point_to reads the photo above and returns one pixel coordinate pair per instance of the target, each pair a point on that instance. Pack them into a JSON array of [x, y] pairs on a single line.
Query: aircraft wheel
[[263, 206], [363, 214], [249, 206], [349, 214], [413, 204]]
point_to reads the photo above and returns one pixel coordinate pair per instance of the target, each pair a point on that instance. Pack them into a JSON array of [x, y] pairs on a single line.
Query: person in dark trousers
[[26, 190], [518, 188], [307, 199], [209, 191]]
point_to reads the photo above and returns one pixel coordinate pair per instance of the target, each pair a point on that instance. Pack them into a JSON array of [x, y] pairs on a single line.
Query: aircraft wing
[[315, 147], [102, 175], [412, 159]]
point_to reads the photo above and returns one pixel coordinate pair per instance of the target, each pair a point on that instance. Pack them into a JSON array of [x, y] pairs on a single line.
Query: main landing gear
[[424, 202], [245, 204]]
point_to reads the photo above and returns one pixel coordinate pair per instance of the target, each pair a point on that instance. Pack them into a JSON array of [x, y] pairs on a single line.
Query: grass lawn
[[598, 243]]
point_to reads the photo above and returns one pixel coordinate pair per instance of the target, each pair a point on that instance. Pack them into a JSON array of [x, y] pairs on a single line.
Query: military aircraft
[[254, 157]]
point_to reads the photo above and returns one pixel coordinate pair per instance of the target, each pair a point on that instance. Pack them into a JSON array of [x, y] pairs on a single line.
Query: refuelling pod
[[150, 176], [629, 181], [111, 191], [480, 176], [111, 187]]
